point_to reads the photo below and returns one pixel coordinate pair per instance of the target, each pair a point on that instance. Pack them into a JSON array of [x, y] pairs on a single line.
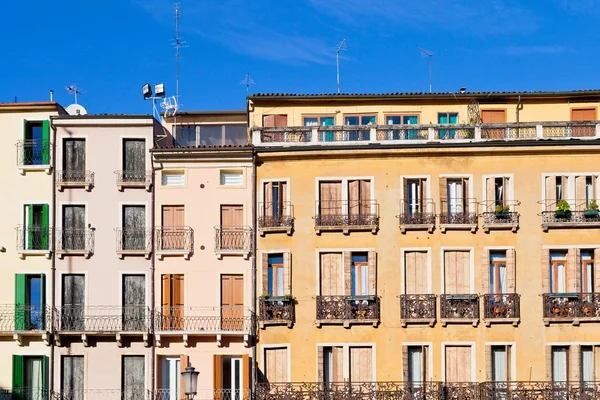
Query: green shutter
[[43, 302], [45, 227], [25, 149], [45, 142], [20, 301], [29, 230], [44, 377], [17, 373]]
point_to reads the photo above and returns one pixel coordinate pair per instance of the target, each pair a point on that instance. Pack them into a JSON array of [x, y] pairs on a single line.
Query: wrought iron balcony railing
[[178, 240], [458, 214], [276, 310], [570, 306], [275, 217], [26, 393], [502, 306], [348, 309], [74, 179], [204, 394], [134, 241], [459, 307], [204, 319], [500, 215], [423, 133], [35, 238], [16, 318], [417, 308], [570, 213], [130, 393], [346, 215], [233, 241], [417, 215], [128, 178], [102, 319], [32, 152], [539, 390], [75, 241]]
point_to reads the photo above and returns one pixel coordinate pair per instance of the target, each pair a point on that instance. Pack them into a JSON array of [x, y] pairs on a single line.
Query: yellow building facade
[[427, 237]]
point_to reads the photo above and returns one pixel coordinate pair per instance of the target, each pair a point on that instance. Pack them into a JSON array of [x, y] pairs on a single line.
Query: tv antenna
[[74, 90], [178, 44], [430, 55], [247, 81], [340, 47]]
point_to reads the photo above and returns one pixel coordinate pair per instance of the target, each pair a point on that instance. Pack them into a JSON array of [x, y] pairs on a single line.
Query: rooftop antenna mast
[[430, 55], [340, 47], [247, 81], [74, 90], [178, 44]]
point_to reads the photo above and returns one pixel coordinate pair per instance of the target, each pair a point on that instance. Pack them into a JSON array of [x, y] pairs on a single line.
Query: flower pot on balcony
[[502, 214], [562, 214], [590, 213]]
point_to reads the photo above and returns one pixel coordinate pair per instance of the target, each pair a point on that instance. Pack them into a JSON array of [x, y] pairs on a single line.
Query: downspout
[[254, 317], [519, 108], [152, 279], [53, 257]]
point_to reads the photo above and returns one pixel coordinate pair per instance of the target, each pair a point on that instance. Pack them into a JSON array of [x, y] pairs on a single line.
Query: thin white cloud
[[534, 50]]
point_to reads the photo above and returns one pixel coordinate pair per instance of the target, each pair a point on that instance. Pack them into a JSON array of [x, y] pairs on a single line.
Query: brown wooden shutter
[[545, 271], [320, 364], [550, 199], [565, 186], [361, 360], [424, 362], [488, 363], [580, 192], [443, 188], [338, 363], [548, 362], [490, 192], [184, 361], [422, 195], [466, 200], [348, 273], [268, 121], [353, 197], [405, 363], [583, 114], [166, 294], [372, 258], [596, 283], [493, 116], [572, 270], [178, 288], [405, 196], [159, 374], [287, 273], [511, 271], [458, 364], [246, 368], [218, 371], [365, 197], [574, 363], [265, 273], [268, 197], [485, 271], [281, 120], [331, 268]]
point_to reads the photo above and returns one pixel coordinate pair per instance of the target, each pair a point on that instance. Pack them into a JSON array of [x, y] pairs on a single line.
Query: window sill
[[512, 226], [567, 225], [446, 321], [221, 253], [276, 229], [347, 322], [62, 185], [61, 253], [513, 321], [161, 254], [408, 321], [134, 185], [462, 227], [26, 253], [23, 169], [574, 320], [417, 227], [346, 229], [123, 253], [274, 322]]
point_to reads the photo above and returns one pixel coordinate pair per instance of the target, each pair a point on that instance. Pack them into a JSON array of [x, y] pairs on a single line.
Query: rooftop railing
[[327, 135]]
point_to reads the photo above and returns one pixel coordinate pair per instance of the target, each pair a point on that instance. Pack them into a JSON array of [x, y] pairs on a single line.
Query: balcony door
[[583, 114], [36, 149], [134, 160], [30, 302], [493, 117], [330, 199], [417, 365], [361, 364], [29, 377], [173, 222], [457, 195], [275, 200], [36, 232], [74, 230], [73, 303], [133, 378], [458, 364], [457, 272], [500, 364], [231, 377], [134, 302], [331, 274], [415, 273], [498, 272], [414, 193], [72, 377], [134, 228], [333, 364], [172, 302], [276, 362], [170, 378], [232, 222], [359, 198], [74, 160], [560, 360], [232, 302]]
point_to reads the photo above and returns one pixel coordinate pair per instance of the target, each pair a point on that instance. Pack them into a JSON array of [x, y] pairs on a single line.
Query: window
[[324, 120], [457, 272], [74, 160], [583, 114], [173, 233], [457, 195], [445, 119], [173, 178], [30, 302], [501, 363], [458, 364], [333, 364], [417, 364], [74, 228], [232, 232], [331, 270], [275, 195], [492, 117], [73, 303], [558, 272], [185, 135], [356, 120], [402, 120], [72, 377], [30, 375], [275, 275], [170, 376], [359, 364], [134, 160], [274, 120], [276, 365], [172, 301], [587, 271], [560, 357], [133, 377], [360, 274], [233, 376], [211, 135], [414, 195], [232, 178], [134, 303], [333, 201], [36, 232], [587, 364], [232, 302], [134, 228], [36, 146], [348, 273], [498, 272], [416, 280]]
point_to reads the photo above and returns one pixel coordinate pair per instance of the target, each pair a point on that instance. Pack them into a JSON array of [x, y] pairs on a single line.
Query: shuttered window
[[500, 363], [415, 272], [276, 364], [414, 195], [133, 378], [36, 150], [361, 364], [457, 272], [331, 274], [173, 178], [30, 302], [275, 199], [134, 302], [72, 377], [276, 120], [332, 367], [232, 178], [276, 273], [416, 363], [458, 364], [37, 230], [30, 373], [134, 155]]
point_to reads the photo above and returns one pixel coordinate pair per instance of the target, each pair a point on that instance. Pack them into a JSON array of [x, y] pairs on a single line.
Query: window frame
[[242, 172], [168, 172]]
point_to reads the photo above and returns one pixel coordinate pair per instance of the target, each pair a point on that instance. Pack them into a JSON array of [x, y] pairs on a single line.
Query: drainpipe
[[519, 108], [152, 279], [254, 319], [53, 258]]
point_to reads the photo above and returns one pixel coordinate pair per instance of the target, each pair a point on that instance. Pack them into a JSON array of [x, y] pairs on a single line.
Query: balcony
[[346, 216], [131, 393], [34, 241], [233, 241], [275, 217], [500, 216], [134, 242], [276, 310], [174, 241], [134, 179], [417, 309], [423, 133], [75, 242], [413, 219], [458, 215], [459, 308], [347, 310], [34, 155], [74, 179], [25, 320], [571, 307], [539, 390], [569, 214], [26, 393], [203, 394], [88, 321], [504, 307], [205, 321]]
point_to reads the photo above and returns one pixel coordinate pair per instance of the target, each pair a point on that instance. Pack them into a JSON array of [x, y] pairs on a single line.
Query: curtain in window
[[134, 228], [134, 300], [587, 364], [557, 273], [34, 377], [559, 364], [72, 377], [73, 302], [455, 200], [586, 272], [415, 361], [74, 160], [133, 378], [73, 228], [279, 291], [134, 163], [499, 364]]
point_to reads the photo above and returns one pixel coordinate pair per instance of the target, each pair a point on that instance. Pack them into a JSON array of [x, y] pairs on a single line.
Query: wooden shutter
[[572, 270], [18, 372], [184, 361], [596, 283], [550, 199], [545, 271], [372, 259], [405, 199], [246, 374], [365, 197], [348, 273], [320, 364], [465, 193], [287, 273], [490, 192], [268, 121], [443, 188], [45, 142], [20, 301], [268, 197], [354, 197], [415, 272], [583, 114], [457, 272], [337, 355], [458, 364], [493, 116], [265, 273], [331, 274], [361, 364], [178, 288], [565, 187], [281, 120], [485, 271], [511, 271], [580, 192], [217, 372], [166, 294], [276, 364]]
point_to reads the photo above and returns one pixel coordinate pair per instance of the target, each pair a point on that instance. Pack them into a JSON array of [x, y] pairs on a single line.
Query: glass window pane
[[211, 135], [236, 135], [368, 120], [185, 135], [392, 120], [442, 118], [327, 121], [311, 121], [453, 118], [350, 120]]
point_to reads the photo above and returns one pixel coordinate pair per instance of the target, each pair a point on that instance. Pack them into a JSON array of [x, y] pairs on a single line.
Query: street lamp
[[190, 381]]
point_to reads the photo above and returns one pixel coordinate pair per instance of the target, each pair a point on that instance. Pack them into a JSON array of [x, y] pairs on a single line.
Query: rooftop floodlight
[[463, 89], [147, 91], [159, 90]]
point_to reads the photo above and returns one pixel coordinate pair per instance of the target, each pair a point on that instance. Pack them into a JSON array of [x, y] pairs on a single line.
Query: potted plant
[[288, 297], [591, 211], [502, 211], [563, 209], [265, 296]]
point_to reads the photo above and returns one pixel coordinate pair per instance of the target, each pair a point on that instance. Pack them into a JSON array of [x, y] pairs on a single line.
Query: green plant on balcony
[[265, 296], [563, 209], [502, 211], [591, 210]]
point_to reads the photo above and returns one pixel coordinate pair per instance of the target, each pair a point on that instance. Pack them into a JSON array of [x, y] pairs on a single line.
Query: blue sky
[[110, 48]]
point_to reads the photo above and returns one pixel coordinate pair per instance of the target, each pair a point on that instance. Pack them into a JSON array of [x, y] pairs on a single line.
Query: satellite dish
[[76, 109]]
